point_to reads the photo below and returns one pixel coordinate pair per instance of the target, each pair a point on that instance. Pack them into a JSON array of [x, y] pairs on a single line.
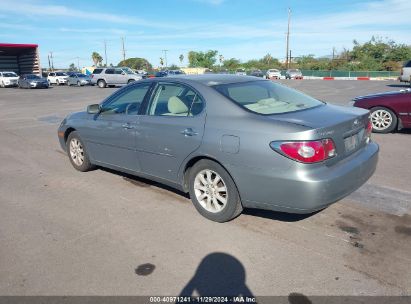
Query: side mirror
[[94, 109]]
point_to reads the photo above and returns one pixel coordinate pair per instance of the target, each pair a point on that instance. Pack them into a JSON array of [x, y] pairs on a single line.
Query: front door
[[111, 135], [171, 129]]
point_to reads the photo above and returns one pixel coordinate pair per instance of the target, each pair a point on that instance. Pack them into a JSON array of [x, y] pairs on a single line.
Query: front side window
[[61, 74], [11, 74], [128, 102], [172, 99], [266, 97], [118, 71]]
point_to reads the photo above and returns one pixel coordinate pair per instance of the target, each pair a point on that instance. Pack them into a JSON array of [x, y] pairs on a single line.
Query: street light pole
[[287, 62], [165, 57]]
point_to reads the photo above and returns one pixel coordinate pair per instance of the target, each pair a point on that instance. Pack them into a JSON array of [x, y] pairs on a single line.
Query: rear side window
[[266, 97], [109, 71], [97, 71], [407, 64]]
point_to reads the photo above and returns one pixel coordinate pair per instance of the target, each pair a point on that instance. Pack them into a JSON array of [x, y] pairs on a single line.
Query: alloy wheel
[[76, 152], [210, 191], [381, 119]]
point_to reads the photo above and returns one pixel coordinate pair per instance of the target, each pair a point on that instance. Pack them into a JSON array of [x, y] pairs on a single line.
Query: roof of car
[[215, 79]]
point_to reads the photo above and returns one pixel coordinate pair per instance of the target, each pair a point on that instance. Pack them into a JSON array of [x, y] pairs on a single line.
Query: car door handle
[[128, 126], [189, 132]]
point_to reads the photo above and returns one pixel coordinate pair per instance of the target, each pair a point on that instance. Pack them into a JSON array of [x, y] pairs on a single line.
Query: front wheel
[[77, 153], [78, 84], [101, 83], [383, 120], [213, 191]]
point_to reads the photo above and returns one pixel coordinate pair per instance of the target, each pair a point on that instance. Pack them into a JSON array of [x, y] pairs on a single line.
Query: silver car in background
[[104, 77], [78, 79], [8, 79], [293, 74], [231, 142]]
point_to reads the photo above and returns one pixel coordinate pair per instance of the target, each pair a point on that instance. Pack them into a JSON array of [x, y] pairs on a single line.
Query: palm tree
[[181, 58], [96, 58]]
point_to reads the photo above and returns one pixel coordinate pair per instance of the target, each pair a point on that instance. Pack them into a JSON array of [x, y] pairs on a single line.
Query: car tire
[[78, 84], [2, 84], [77, 153], [130, 81], [57, 83], [383, 120], [101, 84], [213, 191]]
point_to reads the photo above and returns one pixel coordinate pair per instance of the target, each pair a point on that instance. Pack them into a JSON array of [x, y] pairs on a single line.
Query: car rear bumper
[[305, 190]]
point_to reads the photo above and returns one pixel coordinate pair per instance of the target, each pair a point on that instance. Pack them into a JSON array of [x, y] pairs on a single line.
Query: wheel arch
[[192, 161], [67, 133]]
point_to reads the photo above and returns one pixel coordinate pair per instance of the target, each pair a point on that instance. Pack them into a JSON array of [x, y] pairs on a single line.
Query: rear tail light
[[306, 151], [368, 131]]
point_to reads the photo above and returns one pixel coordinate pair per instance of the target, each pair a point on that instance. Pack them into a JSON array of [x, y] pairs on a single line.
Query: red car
[[389, 111]]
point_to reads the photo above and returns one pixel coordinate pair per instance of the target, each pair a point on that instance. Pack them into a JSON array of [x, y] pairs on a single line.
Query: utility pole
[[165, 56], [290, 59], [288, 39], [105, 51], [52, 63], [78, 63], [48, 57], [124, 51], [333, 53]]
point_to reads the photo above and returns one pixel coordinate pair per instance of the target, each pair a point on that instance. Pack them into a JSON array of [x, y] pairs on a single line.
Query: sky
[[243, 29]]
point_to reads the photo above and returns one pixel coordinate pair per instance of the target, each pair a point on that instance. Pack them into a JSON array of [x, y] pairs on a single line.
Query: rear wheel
[[2, 84], [130, 81], [77, 153], [101, 83], [383, 120], [213, 191], [57, 82]]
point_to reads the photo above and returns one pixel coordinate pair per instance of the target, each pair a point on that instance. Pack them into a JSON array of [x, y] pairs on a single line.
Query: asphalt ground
[[63, 232]]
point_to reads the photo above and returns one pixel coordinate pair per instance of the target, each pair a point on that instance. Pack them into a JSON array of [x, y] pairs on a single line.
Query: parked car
[[224, 71], [174, 72], [57, 78], [8, 79], [297, 154], [406, 72], [104, 77], [273, 74], [293, 74], [389, 111], [240, 72], [257, 73], [78, 79], [30, 81], [160, 74]]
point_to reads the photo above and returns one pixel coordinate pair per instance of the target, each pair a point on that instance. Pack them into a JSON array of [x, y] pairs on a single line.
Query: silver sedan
[[231, 142], [78, 79]]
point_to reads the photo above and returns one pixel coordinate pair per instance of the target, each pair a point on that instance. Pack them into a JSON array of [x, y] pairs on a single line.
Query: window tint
[[61, 74], [52, 74], [407, 64], [128, 102], [97, 71], [109, 71], [266, 97], [175, 100], [117, 71]]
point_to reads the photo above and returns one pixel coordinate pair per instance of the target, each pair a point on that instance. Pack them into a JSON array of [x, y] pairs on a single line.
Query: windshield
[[10, 75], [128, 70], [81, 75], [32, 77], [61, 74], [240, 70], [266, 97]]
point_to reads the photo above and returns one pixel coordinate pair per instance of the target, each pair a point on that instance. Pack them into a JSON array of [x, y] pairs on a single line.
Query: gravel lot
[[63, 232]]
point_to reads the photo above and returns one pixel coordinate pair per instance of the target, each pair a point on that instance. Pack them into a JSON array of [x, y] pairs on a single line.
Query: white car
[[8, 79], [57, 78], [273, 74]]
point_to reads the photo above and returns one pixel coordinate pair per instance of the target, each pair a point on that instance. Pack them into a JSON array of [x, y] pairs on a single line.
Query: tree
[[72, 68], [173, 67], [161, 61], [181, 57], [97, 59], [201, 59], [231, 64], [136, 63]]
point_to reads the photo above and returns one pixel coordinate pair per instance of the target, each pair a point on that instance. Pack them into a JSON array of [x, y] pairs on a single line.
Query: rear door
[[171, 129], [109, 76]]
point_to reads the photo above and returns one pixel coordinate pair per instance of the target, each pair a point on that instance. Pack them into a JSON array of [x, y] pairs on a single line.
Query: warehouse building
[[20, 58]]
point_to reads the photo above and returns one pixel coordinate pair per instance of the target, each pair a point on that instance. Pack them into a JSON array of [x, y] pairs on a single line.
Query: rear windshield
[[61, 74], [266, 97]]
